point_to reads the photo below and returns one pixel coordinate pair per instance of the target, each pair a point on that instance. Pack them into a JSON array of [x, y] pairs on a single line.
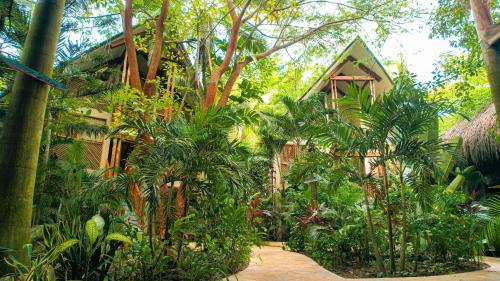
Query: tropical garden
[[183, 176]]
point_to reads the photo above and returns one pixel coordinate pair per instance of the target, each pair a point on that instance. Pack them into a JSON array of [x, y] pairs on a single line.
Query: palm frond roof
[[479, 145]]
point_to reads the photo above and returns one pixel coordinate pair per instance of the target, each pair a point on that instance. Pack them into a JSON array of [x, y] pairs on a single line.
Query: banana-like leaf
[[115, 236], [456, 183], [92, 230]]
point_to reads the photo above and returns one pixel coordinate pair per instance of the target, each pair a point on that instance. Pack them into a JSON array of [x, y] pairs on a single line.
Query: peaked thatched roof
[[479, 145]]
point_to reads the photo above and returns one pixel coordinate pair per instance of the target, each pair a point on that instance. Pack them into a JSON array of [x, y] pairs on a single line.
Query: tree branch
[[135, 80], [300, 38], [231, 47], [250, 15], [235, 73], [156, 56], [239, 66]]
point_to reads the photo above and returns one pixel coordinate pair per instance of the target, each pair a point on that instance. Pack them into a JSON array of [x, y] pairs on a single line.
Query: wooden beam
[[365, 84], [352, 78], [118, 157], [365, 68], [347, 82], [335, 95], [372, 91], [337, 68]]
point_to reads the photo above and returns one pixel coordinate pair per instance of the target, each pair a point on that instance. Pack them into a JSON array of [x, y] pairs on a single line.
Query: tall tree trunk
[[403, 221], [298, 151], [279, 204], [371, 230], [179, 202], [416, 247], [490, 45], [213, 84], [314, 195], [389, 217], [272, 181], [185, 210], [20, 141]]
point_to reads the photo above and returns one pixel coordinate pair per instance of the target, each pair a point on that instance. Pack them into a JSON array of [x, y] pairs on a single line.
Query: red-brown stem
[[156, 56], [135, 80]]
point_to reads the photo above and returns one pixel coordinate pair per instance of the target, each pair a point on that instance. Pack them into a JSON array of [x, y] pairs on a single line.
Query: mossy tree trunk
[[489, 38], [20, 140]]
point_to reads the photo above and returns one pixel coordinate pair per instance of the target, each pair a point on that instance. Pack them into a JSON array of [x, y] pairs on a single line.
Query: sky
[[418, 51]]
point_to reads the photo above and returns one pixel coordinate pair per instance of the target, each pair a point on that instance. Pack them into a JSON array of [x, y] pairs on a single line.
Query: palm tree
[[410, 147], [392, 127], [272, 141], [300, 118], [20, 140], [197, 154], [345, 138]]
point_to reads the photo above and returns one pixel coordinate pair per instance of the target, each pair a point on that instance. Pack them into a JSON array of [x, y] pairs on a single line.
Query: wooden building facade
[[108, 152], [356, 64]]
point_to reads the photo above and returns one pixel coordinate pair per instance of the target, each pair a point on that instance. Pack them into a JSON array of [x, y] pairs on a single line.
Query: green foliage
[[461, 79], [492, 229], [42, 267], [468, 95], [223, 238], [92, 258], [117, 237], [210, 220], [334, 234], [67, 184], [208, 236], [92, 231], [353, 204]]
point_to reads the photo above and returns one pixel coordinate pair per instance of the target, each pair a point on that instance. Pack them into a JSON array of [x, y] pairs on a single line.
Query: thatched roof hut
[[479, 145]]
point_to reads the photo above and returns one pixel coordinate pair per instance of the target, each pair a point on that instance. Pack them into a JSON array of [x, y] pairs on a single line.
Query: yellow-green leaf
[[92, 230], [115, 236]]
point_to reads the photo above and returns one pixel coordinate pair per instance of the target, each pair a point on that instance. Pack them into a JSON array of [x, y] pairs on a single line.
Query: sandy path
[[271, 263]]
